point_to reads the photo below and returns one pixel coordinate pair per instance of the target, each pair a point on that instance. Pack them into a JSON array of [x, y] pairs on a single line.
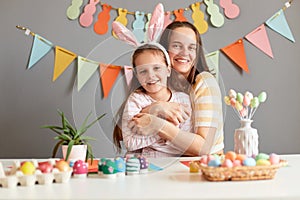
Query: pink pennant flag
[[260, 39], [128, 72]]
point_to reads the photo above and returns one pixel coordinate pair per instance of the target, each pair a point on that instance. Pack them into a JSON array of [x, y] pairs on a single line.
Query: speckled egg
[[263, 162], [231, 155], [227, 163]]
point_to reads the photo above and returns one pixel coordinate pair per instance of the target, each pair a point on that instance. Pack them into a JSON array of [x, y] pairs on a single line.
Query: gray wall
[[29, 98]]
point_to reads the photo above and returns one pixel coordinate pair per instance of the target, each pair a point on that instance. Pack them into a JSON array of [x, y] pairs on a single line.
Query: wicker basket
[[239, 173]]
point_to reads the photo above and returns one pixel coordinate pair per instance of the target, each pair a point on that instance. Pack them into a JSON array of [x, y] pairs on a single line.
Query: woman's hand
[[146, 124], [175, 113]]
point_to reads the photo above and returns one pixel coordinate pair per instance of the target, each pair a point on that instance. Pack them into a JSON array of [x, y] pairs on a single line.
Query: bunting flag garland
[[109, 74], [128, 72], [279, 24], [39, 49], [236, 53], [63, 59], [259, 38], [212, 60], [85, 69]]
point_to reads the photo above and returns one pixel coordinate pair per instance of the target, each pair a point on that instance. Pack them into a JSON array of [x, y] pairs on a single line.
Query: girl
[[184, 46], [151, 67]]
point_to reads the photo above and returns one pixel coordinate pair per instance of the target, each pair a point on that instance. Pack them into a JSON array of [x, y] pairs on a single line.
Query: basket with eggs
[[238, 167]]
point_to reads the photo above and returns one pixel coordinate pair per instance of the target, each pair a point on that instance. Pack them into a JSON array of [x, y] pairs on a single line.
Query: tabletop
[[173, 182]]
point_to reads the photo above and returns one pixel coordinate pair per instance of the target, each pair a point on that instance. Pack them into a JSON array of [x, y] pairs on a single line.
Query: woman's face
[[182, 49], [152, 72]]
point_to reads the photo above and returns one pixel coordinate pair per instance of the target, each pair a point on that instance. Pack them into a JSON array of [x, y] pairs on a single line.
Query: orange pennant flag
[[108, 75], [63, 59], [236, 53]]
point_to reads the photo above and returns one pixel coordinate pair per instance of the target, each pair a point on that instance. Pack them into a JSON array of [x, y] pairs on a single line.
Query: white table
[[174, 182]]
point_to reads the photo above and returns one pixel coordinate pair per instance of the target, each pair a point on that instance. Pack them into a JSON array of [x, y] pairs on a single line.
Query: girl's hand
[[146, 124], [175, 113]]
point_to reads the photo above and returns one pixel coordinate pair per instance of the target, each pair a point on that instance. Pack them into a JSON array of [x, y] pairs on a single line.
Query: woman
[[184, 46]]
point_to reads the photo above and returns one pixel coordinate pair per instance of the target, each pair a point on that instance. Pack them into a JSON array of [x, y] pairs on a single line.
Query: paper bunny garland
[[154, 30]]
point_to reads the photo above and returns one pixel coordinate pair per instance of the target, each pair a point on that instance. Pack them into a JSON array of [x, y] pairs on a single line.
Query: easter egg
[[45, 167], [246, 101], [263, 162], [274, 159], [262, 97], [237, 163], [204, 159], [62, 166], [254, 102], [241, 157], [231, 155], [262, 156], [80, 167], [214, 163], [194, 167], [232, 93], [249, 95], [238, 106], [227, 163], [249, 162], [239, 97], [227, 100], [232, 102], [27, 168]]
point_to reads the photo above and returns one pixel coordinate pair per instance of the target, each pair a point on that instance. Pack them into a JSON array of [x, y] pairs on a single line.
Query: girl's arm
[[131, 139], [192, 144], [173, 112]]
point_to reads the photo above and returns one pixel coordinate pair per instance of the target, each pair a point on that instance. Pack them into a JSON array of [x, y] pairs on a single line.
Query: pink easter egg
[[227, 163], [210, 157], [204, 159], [246, 101], [237, 163], [274, 159]]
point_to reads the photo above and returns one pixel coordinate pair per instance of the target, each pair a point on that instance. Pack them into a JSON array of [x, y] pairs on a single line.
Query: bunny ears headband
[[154, 30]]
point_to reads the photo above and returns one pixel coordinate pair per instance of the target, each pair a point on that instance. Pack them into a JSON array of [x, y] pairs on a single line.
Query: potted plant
[[70, 136]]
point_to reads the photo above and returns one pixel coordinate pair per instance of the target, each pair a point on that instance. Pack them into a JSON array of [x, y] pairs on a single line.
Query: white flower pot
[[78, 152]]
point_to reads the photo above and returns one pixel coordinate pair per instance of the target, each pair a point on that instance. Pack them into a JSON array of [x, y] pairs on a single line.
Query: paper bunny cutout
[[154, 30]]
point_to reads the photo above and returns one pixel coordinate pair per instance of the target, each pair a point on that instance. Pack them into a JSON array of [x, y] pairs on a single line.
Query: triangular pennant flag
[[63, 59], [128, 72], [86, 68], [40, 48], [279, 24], [108, 74], [236, 53], [212, 60], [260, 39]]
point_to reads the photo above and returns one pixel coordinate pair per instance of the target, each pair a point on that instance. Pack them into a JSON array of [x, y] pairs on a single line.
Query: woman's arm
[[173, 112], [192, 144]]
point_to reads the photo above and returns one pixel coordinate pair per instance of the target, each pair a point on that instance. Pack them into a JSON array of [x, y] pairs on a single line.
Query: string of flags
[[109, 72], [139, 25]]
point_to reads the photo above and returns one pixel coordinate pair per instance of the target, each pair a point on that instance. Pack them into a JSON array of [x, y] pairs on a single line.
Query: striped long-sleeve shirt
[[207, 107], [151, 144]]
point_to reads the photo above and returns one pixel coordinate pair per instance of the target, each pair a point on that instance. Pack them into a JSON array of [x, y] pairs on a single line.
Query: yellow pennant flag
[[63, 59]]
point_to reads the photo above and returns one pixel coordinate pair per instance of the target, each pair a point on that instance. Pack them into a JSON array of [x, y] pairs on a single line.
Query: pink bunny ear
[[156, 23], [124, 34]]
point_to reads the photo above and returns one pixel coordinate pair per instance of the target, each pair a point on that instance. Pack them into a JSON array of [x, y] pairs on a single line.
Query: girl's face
[[152, 72], [182, 50]]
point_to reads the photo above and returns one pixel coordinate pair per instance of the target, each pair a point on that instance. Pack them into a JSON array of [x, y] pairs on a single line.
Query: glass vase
[[246, 139]]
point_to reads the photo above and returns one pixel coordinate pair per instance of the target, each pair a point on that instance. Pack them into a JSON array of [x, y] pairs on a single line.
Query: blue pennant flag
[[40, 48], [279, 24]]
